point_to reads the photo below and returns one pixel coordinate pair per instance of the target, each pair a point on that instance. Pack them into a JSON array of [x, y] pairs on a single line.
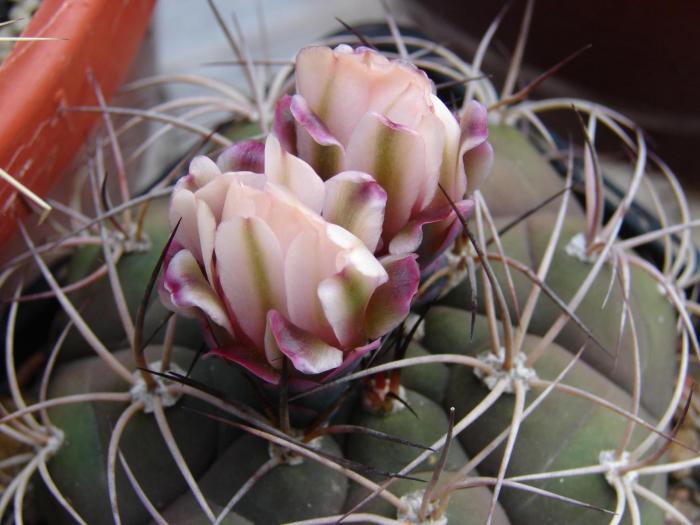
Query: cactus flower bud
[[256, 259], [356, 110]]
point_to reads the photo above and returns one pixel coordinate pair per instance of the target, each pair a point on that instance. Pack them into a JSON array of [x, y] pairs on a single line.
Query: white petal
[[395, 157], [203, 170], [206, 227], [308, 353], [391, 302], [452, 179], [286, 170], [214, 193], [356, 202], [335, 86], [250, 268], [314, 142], [344, 296], [183, 210], [303, 270], [189, 291]]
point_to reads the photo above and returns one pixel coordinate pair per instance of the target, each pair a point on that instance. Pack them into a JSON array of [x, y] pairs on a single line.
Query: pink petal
[[292, 173], [315, 144], [246, 155], [249, 359], [240, 201], [452, 178], [342, 85], [190, 293], [303, 273], [203, 170], [395, 157], [250, 267], [315, 66], [173, 248], [474, 157], [352, 252], [337, 93], [432, 131], [474, 126], [283, 125], [344, 298], [414, 109], [164, 296], [183, 209], [477, 165], [283, 212], [206, 228], [214, 193], [350, 359], [357, 203], [410, 237], [390, 79], [437, 236], [407, 109], [308, 353], [391, 302]]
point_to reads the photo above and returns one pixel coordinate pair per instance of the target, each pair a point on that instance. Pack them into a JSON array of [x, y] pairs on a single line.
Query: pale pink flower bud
[[356, 110], [277, 264]]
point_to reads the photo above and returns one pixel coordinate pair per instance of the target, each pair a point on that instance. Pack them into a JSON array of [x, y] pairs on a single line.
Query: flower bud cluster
[[308, 247]]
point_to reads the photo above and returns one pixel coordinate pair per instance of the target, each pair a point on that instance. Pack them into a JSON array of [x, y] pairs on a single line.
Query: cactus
[[536, 380]]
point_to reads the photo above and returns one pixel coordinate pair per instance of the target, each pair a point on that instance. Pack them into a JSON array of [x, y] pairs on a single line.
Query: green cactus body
[[521, 178], [285, 492], [653, 315], [520, 173], [186, 510], [465, 507], [429, 380], [583, 430], [423, 428], [134, 271], [80, 466]]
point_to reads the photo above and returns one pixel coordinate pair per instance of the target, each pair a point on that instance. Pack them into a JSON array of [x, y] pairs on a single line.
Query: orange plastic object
[[38, 140]]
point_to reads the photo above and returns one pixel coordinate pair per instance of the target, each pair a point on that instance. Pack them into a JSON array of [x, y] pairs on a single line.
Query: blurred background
[[644, 59]]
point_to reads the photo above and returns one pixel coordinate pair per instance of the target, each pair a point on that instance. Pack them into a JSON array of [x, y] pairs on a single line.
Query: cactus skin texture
[[527, 242], [565, 432], [582, 430], [79, 469], [134, 270]]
